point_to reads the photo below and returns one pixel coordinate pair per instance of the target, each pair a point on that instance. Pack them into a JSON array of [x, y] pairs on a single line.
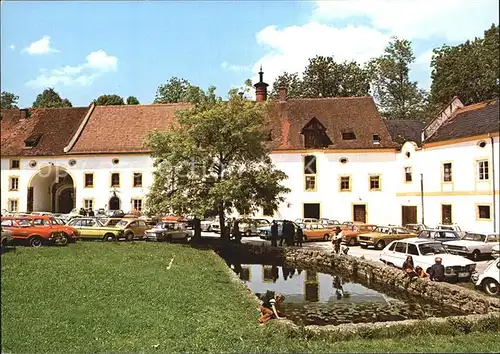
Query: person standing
[[236, 231], [300, 236], [292, 234], [197, 228], [90, 213], [284, 231], [274, 234]]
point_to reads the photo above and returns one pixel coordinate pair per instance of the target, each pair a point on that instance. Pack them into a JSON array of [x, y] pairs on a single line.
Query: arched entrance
[[114, 203], [51, 189]]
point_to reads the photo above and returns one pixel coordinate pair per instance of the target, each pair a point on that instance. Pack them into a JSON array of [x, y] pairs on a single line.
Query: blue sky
[[85, 49]]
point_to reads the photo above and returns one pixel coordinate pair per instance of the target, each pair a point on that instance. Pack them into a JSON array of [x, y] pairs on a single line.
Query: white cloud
[[234, 67], [12, 47], [97, 63], [453, 20], [290, 48], [42, 46]]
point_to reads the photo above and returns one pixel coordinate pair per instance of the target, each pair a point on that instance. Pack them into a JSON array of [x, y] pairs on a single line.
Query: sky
[[86, 49]]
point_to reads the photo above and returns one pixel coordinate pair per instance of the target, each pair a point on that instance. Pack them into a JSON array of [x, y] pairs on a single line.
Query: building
[[342, 159]]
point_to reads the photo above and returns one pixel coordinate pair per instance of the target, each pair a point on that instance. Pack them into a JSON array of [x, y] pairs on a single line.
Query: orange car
[[24, 232], [69, 232], [316, 231], [350, 234]]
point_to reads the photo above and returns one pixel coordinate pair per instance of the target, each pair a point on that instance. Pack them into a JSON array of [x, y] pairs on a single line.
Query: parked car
[[71, 214], [70, 233], [347, 224], [383, 235], [424, 253], [206, 224], [265, 231], [24, 232], [453, 227], [416, 228], [329, 222], [250, 227], [351, 233], [489, 280], [110, 222], [115, 214], [440, 235], [41, 213], [132, 228], [316, 231], [474, 245], [7, 239], [168, 231], [305, 221], [92, 228], [495, 251]]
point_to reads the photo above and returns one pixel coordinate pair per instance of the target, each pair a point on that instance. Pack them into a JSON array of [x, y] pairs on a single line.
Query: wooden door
[[359, 213], [446, 217], [408, 215], [30, 200]]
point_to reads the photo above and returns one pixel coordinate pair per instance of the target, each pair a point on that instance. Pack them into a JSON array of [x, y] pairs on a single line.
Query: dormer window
[[32, 141], [315, 136], [376, 139], [348, 135]]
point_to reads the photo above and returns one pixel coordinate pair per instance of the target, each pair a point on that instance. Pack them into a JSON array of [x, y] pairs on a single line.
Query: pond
[[325, 299]]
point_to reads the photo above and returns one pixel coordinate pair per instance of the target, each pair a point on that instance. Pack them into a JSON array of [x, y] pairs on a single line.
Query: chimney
[[282, 93], [261, 88]]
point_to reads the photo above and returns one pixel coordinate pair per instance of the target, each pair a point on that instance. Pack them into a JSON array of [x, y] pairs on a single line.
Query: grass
[[120, 297]]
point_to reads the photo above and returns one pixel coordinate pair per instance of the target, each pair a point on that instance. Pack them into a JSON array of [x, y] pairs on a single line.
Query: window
[[345, 183], [14, 164], [446, 217], [348, 136], [400, 247], [412, 249], [484, 212], [137, 204], [483, 170], [137, 179], [13, 205], [88, 203], [115, 180], [89, 180], [447, 172], [374, 183], [310, 170], [376, 139], [39, 222], [408, 175], [13, 183]]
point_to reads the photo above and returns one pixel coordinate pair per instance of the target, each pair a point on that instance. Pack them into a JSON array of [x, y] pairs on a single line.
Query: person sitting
[[437, 271], [420, 272], [408, 267], [268, 308]]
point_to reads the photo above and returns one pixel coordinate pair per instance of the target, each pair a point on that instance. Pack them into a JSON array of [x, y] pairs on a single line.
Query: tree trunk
[[222, 224]]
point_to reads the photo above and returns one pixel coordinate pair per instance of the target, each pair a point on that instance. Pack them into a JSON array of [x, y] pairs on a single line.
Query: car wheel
[[475, 255], [108, 237], [64, 240], [168, 238], [248, 233], [352, 242], [3, 245], [326, 237], [380, 245], [36, 242], [129, 236], [491, 286], [364, 246]]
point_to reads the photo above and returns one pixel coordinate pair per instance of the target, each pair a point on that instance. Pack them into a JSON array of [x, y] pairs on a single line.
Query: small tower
[[261, 87]]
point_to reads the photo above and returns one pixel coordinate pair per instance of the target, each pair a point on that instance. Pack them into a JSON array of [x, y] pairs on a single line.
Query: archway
[[114, 203], [51, 189]]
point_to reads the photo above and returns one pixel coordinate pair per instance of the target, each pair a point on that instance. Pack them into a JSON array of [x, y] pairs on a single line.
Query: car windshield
[[474, 237], [165, 225], [429, 249], [122, 223], [383, 230]]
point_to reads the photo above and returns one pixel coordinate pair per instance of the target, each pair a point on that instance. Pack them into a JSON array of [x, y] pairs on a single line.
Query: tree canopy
[[181, 90], [8, 100], [215, 161], [49, 98], [131, 100], [109, 100], [396, 95], [469, 70]]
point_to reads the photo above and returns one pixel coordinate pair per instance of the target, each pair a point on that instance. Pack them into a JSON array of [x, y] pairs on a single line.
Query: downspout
[[493, 175], [422, 196]]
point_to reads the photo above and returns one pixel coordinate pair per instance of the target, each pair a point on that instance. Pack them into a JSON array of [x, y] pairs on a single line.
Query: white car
[[490, 279], [250, 227], [473, 245], [206, 225], [168, 231], [423, 253], [495, 251], [453, 227]]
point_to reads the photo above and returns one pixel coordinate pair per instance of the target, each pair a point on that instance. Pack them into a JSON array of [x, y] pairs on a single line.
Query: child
[[268, 308]]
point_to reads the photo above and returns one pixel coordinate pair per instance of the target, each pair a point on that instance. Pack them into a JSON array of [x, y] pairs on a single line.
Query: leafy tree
[[179, 90], [109, 100], [49, 98], [291, 82], [397, 96], [469, 70], [132, 100], [8, 100], [215, 161]]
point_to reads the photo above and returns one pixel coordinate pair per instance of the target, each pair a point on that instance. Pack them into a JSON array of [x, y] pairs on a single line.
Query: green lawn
[[120, 297]]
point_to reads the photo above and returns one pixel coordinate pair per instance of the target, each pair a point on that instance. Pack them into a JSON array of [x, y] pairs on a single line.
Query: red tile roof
[[53, 126]]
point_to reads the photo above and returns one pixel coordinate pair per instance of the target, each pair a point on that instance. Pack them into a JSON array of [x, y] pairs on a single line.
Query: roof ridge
[[174, 104], [324, 98]]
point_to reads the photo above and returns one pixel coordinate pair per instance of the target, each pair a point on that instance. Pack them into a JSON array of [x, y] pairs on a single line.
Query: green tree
[[109, 100], [396, 95], [215, 161], [469, 70], [8, 100], [49, 98], [179, 90], [291, 82], [131, 100]]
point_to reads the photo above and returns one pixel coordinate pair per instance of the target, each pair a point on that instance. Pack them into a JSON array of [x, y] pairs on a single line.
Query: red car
[[70, 232], [24, 232]]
